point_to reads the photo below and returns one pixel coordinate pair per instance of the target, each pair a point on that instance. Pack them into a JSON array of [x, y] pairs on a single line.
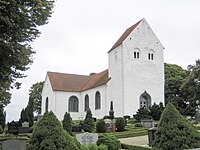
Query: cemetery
[[89, 136], [138, 102]]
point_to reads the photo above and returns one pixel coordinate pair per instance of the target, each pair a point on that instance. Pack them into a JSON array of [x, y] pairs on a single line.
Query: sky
[[80, 33]]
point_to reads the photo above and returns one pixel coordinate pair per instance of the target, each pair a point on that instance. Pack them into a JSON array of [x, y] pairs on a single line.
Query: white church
[[134, 79]]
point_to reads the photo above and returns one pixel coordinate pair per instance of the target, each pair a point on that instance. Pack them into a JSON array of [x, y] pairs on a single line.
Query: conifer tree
[[48, 134], [174, 132], [88, 124], [67, 122]]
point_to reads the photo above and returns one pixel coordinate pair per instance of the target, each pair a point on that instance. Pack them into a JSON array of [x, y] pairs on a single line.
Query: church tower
[[136, 69]]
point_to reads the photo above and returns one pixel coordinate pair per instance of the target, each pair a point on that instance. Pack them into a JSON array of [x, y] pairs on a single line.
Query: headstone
[[148, 123], [87, 138], [25, 124], [151, 135], [110, 125], [13, 144]]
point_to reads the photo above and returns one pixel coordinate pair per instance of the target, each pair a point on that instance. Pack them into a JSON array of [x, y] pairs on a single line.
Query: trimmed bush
[[88, 125], [174, 132], [67, 123], [101, 126], [111, 141], [49, 134], [120, 124]]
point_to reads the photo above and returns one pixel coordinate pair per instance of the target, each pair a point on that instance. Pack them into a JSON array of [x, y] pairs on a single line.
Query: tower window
[[151, 55], [136, 53]]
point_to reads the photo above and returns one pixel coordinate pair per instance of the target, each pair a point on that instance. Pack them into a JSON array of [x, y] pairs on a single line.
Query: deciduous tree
[[19, 21]]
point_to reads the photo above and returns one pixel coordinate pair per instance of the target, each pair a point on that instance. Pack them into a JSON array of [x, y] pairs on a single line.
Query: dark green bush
[[109, 140], [67, 123], [101, 126], [174, 132], [120, 124], [49, 134], [88, 124], [142, 113]]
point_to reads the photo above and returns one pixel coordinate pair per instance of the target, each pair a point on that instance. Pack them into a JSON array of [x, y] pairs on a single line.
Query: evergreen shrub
[[175, 132], [67, 123], [101, 126], [49, 134], [120, 124], [110, 141], [88, 124]]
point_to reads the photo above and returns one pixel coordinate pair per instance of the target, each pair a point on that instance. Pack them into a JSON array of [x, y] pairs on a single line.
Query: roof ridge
[[125, 35], [68, 73]]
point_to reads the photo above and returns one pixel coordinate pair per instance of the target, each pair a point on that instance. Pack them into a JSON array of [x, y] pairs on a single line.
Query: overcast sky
[[80, 33]]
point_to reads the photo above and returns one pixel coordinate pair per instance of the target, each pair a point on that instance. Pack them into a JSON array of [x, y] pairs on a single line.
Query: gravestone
[[25, 124], [87, 138], [151, 135], [148, 123], [13, 144], [110, 121], [110, 125], [24, 128]]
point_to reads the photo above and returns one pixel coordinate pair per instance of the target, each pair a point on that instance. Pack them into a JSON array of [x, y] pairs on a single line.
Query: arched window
[[46, 104], [86, 102], [136, 53], [97, 100], [145, 100], [151, 55], [73, 104]]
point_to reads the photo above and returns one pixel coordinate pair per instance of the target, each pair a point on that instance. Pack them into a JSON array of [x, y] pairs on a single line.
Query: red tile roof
[[76, 83], [124, 35]]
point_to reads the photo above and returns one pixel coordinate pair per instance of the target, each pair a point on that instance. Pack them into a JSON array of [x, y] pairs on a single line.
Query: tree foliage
[[191, 88], [19, 20], [88, 124], [35, 95], [174, 132], [49, 135], [156, 111], [67, 123], [2, 117], [27, 114], [142, 113], [182, 87], [174, 78]]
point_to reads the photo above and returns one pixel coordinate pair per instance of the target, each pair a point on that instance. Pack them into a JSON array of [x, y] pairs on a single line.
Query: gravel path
[[139, 140]]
